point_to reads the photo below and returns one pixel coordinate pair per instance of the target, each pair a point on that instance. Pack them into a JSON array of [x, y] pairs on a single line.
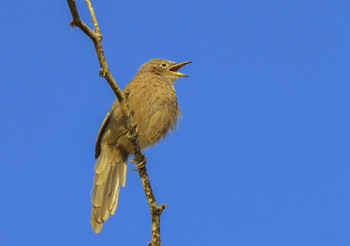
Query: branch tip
[[163, 206]]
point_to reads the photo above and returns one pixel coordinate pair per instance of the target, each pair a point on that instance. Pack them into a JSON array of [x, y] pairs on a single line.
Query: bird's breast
[[155, 111]]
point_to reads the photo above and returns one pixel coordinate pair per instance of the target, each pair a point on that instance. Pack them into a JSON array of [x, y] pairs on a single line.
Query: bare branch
[[93, 17], [156, 210], [77, 21], [133, 135]]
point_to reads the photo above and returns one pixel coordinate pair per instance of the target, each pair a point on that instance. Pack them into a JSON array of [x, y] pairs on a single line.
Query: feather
[[110, 173]]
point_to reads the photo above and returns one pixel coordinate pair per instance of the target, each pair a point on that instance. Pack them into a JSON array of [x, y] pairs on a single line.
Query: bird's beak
[[177, 66]]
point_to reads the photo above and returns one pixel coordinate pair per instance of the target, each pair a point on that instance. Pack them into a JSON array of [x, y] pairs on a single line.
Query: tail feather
[[122, 173], [110, 173]]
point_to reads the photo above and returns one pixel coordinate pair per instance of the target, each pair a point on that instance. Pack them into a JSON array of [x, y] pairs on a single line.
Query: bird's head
[[165, 68]]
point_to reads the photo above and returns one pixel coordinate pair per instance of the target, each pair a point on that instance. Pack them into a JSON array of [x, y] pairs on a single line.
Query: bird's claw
[[140, 164]]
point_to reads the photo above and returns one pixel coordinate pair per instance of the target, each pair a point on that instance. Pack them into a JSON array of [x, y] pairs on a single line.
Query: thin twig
[[93, 17], [133, 135]]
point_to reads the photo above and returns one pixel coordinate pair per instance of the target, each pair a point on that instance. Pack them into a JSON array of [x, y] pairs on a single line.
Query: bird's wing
[[100, 133]]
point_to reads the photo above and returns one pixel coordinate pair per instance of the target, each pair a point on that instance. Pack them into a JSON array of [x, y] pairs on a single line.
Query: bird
[[154, 108]]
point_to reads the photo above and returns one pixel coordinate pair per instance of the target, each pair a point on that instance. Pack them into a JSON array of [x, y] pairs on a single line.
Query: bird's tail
[[110, 173]]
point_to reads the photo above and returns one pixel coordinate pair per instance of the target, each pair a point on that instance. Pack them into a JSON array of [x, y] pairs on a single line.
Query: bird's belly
[[154, 125]]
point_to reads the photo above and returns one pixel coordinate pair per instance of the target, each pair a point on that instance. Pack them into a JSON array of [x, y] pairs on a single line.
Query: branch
[[140, 159]]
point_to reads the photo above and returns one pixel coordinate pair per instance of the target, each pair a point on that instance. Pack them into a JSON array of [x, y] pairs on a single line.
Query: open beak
[[177, 66]]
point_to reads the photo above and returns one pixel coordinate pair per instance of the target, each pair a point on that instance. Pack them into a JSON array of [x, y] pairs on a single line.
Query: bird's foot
[[140, 164]]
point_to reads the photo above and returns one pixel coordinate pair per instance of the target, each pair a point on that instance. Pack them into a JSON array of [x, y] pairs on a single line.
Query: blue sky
[[260, 157]]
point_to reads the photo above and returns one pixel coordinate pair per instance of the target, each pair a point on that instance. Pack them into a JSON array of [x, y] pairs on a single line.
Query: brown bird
[[153, 105]]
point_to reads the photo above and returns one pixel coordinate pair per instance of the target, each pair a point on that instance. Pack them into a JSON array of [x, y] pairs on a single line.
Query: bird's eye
[[163, 64]]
